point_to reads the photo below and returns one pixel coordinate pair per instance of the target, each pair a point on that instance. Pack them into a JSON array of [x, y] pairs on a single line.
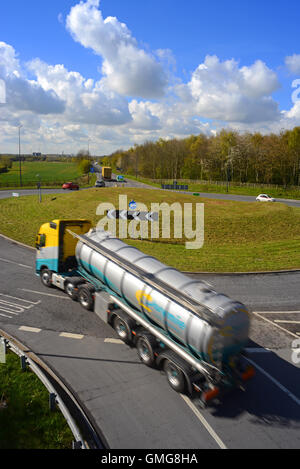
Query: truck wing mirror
[[40, 241]]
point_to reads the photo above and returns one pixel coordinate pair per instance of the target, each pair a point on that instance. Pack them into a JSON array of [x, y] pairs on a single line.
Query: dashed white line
[[16, 263], [29, 329], [71, 336], [204, 421], [114, 341]]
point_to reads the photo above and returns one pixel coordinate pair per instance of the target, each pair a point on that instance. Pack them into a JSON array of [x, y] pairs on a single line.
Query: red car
[[71, 186]]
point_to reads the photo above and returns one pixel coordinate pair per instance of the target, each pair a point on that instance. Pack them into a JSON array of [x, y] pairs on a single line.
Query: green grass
[[26, 422], [239, 236], [49, 172]]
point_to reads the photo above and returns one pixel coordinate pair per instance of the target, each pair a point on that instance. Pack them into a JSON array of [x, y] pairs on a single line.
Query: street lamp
[[20, 155]]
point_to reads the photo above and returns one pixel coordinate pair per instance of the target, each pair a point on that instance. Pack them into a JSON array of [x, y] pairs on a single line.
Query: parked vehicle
[[178, 324], [265, 198], [70, 186]]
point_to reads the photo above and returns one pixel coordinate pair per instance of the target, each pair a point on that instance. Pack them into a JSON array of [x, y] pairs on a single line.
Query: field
[[49, 173], [239, 236], [25, 419]]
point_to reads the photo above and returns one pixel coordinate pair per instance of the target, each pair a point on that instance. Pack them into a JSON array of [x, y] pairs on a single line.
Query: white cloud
[[223, 91], [23, 94], [293, 63], [142, 116], [86, 101], [129, 69]]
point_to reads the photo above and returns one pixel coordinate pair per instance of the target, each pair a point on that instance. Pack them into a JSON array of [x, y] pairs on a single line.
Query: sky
[[108, 74]]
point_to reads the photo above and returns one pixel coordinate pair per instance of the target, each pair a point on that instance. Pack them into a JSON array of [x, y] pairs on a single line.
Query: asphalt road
[[133, 183], [133, 405]]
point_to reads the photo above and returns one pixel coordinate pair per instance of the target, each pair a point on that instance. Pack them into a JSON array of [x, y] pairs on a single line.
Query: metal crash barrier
[[59, 394]]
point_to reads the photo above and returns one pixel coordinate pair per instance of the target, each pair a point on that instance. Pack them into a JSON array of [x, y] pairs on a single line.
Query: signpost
[[175, 187]]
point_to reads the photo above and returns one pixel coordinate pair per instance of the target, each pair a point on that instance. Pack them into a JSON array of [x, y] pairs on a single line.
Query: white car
[[265, 198]]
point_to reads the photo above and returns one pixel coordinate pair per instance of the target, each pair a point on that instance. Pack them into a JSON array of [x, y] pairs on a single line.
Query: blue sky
[[174, 66]]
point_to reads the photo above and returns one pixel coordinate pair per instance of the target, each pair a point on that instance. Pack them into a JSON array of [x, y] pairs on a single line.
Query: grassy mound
[[239, 236]]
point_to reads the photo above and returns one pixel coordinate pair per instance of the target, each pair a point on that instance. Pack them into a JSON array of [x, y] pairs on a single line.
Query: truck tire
[[146, 345], [70, 291], [46, 276], [175, 376], [86, 296], [123, 328]]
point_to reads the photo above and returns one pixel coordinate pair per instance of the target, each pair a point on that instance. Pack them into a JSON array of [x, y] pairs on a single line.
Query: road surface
[[133, 405]]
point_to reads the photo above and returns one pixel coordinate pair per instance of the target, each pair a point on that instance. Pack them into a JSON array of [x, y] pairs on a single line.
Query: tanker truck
[[178, 324]]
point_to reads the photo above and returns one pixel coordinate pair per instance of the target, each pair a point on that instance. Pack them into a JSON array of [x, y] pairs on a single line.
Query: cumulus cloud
[[223, 91], [23, 94], [293, 63], [129, 69], [86, 101], [142, 116]]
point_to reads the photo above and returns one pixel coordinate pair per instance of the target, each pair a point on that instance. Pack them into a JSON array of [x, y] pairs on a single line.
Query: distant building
[[36, 154]]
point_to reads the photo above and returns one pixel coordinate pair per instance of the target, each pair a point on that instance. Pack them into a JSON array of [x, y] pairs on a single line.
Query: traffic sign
[[132, 215]]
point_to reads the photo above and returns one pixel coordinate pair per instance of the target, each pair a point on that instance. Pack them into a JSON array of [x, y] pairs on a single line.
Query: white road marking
[[286, 321], [113, 341], [46, 294], [203, 421], [29, 329], [283, 388], [13, 305], [8, 311], [16, 263], [71, 336], [274, 324], [21, 299], [279, 312], [5, 315]]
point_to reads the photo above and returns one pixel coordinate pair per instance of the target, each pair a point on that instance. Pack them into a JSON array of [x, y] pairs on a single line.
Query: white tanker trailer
[[177, 323]]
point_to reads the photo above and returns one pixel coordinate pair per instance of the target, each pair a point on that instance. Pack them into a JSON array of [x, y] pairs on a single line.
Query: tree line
[[228, 155]]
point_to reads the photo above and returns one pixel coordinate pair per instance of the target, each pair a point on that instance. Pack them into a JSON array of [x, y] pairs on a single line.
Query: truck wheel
[[46, 276], [70, 291], [123, 329], [146, 344], [85, 297], [175, 376]]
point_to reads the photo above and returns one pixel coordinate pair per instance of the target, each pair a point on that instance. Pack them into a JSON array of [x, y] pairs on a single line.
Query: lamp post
[[20, 155]]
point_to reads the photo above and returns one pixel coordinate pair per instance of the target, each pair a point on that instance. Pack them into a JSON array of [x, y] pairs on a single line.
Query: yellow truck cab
[[56, 247]]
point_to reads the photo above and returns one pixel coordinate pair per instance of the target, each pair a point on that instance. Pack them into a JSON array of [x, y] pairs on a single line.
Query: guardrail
[[85, 436]]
